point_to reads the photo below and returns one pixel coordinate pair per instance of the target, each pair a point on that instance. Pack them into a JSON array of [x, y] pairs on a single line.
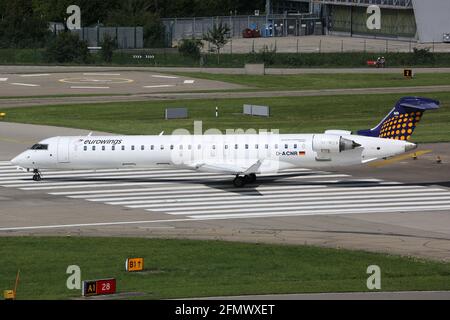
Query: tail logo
[[401, 121], [400, 127]]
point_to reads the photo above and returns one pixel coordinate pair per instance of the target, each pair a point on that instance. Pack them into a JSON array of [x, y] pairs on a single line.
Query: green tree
[[139, 13], [190, 47], [154, 32], [67, 47], [20, 26], [108, 44], [422, 56], [217, 36], [204, 8], [92, 11]]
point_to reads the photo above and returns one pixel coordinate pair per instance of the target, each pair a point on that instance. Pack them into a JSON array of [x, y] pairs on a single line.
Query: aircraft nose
[[410, 146], [15, 161], [18, 161]]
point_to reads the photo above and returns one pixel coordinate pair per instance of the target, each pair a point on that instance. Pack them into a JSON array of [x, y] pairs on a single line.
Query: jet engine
[[328, 143]]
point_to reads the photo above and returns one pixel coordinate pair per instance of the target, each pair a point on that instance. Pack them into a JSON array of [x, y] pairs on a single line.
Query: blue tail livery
[[400, 123]]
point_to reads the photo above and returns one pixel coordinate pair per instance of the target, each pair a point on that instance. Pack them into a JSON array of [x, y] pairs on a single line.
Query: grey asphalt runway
[[105, 83], [402, 208], [27, 102], [19, 69], [22, 86]]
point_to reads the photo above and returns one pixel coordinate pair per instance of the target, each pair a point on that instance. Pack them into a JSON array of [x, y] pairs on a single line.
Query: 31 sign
[[408, 73]]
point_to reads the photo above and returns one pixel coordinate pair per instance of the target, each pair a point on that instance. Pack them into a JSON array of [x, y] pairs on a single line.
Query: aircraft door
[[63, 149]]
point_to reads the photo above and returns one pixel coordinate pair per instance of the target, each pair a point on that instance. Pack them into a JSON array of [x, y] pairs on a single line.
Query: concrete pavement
[[27, 102], [422, 233]]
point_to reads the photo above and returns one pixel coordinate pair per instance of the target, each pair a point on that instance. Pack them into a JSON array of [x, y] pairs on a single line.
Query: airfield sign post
[[134, 264], [408, 73], [98, 287]]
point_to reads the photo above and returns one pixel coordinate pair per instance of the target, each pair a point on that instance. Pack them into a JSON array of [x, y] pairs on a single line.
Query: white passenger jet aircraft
[[240, 155]]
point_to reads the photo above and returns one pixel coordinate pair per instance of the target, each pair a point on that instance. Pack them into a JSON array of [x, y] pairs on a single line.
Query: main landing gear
[[240, 181], [36, 175]]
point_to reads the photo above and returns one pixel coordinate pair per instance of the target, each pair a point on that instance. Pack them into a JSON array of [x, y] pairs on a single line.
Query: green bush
[[154, 32], [278, 60], [67, 47], [423, 56], [21, 26], [268, 54], [190, 48]]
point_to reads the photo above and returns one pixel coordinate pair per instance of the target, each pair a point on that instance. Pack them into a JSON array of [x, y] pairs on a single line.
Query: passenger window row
[[189, 147]]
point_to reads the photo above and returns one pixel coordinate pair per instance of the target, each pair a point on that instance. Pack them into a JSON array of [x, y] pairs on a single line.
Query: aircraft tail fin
[[401, 121]]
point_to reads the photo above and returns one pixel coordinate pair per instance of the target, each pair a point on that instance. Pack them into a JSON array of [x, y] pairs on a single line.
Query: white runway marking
[[319, 212], [181, 192], [281, 207], [3, 79], [189, 81], [25, 84], [99, 224], [35, 75], [101, 74], [84, 184], [18, 183], [160, 86], [164, 77], [195, 196], [211, 194], [86, 87], [280, 198]]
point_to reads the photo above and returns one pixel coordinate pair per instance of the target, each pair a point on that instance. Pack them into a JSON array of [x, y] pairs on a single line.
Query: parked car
[[251, 33]]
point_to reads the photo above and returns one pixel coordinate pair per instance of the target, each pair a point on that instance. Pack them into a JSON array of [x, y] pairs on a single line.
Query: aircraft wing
[[227, 168]]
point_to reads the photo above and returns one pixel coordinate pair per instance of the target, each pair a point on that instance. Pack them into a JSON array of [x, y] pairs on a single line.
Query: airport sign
[[134, 264], [98, 287]]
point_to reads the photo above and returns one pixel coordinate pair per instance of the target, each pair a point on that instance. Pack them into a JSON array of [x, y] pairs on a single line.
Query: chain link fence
[[268, 26], [126, 37]]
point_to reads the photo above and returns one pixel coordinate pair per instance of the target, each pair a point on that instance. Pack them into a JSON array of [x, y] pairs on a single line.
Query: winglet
[[254, 168]]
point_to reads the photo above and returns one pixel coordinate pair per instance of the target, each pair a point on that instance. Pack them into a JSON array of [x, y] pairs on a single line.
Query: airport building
[[425, 21]]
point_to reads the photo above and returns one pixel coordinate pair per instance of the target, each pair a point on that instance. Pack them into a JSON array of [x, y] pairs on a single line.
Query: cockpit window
[[40, 147]]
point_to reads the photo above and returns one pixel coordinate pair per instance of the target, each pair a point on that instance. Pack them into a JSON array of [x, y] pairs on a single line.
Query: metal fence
[[269, 26], [393, 4], [126, 37], [326, 44]]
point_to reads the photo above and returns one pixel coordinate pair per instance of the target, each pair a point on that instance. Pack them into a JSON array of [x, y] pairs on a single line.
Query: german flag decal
[[301, 153]]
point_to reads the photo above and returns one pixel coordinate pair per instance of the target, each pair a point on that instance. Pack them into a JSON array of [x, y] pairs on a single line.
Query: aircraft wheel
[[37, 175], [239, 182], [252, 178]]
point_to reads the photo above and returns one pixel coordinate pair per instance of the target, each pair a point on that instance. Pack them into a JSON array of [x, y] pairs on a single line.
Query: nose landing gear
[[36, 175], [240, 181]]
